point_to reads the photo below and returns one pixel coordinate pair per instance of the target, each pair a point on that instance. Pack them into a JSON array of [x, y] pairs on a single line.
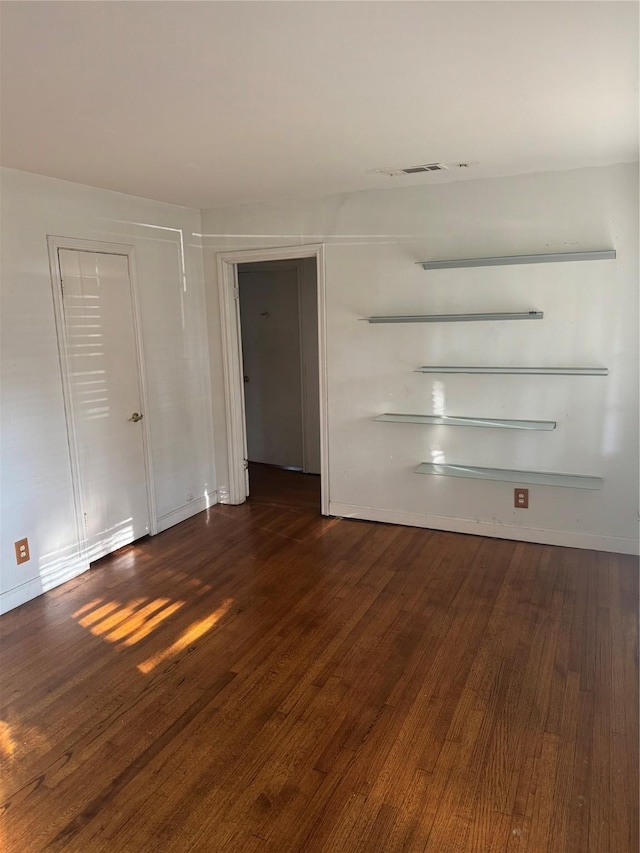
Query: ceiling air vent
[[411, 170], [428, 167]]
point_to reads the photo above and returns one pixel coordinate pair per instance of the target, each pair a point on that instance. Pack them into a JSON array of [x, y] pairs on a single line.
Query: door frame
[[55, 243], [228, 292]]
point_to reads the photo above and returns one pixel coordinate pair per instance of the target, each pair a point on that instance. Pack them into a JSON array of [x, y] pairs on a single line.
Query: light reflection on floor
[[125, 624], [193, 633], [7, 743]]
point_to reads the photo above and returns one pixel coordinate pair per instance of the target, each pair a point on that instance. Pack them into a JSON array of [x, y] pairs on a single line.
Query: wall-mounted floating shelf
[[541, 478], [525, 371], [456, 318], [500, 423], [600, 255]]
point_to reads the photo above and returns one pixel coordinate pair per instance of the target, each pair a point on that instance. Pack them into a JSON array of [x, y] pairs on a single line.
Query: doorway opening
[[279, 323], [272, 306]]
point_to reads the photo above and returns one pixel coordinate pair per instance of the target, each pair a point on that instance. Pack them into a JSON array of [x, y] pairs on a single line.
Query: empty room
[[319, 426]]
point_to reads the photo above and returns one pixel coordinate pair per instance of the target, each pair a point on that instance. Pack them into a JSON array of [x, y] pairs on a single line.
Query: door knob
[[135, 417]]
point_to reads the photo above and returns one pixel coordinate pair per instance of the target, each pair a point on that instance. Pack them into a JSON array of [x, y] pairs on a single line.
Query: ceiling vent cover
[[411, 170], [427, 167]]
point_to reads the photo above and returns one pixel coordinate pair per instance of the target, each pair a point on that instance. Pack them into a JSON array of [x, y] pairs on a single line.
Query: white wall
[[373, 241], [37, 499]]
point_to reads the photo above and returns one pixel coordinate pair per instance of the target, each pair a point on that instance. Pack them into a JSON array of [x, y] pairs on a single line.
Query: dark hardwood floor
[[259, 678], [279, 487]]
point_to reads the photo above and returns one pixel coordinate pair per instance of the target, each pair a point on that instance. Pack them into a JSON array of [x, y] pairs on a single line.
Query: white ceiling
[[213, 103]]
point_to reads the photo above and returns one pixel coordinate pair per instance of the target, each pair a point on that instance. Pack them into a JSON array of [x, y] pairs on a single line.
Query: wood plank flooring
[[259, 679], [280, 487]]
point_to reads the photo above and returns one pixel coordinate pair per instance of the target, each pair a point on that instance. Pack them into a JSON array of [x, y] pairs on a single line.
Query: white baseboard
[[20, 595], [60, 573], [182, 513], [567, 539], [64, 567]]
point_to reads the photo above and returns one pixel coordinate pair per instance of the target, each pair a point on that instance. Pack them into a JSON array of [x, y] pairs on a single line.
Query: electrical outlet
[[22, 551], [521, 498]]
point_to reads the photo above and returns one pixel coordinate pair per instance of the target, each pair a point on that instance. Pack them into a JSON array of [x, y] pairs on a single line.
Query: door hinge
[[236, 291], [62, 286], [246, 464]]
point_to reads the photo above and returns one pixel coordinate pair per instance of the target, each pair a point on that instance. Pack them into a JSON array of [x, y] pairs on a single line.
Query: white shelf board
[[541, 478], [523, 371], [504, 260], [457, 318], [500, 423]]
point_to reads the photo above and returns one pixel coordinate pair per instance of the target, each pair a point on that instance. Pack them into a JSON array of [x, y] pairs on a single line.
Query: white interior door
[[105, 398]]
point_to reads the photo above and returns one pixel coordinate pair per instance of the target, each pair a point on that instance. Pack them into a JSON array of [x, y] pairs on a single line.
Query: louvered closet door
[[105, 397]]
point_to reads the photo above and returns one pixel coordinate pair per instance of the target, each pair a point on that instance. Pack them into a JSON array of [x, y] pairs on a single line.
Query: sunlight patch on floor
[[125, 624], [152, 623], [7, 743], [193, 633]]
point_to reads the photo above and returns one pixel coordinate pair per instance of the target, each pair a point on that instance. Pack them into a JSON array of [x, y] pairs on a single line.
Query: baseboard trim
[[49, 579], [182, 513], [61, 569], [542, 536]]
